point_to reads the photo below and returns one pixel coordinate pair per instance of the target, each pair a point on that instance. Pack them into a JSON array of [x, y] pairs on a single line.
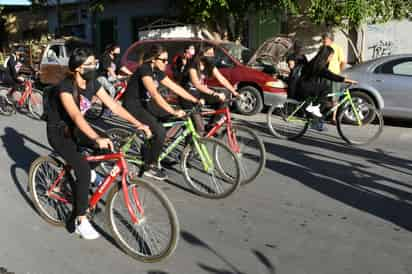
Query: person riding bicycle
[[67, 128], [199, 69], [181, 61], [108, 69], [143, 99], [12, 66], [312, 82]]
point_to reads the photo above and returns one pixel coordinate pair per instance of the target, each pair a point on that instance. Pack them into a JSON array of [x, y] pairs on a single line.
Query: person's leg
[[336, 87]]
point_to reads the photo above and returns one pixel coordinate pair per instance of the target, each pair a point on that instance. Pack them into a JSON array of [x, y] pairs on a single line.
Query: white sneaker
[[86, 230], [315, 110]]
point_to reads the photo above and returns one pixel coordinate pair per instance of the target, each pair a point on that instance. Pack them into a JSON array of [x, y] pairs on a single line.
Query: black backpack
[[293, 80]]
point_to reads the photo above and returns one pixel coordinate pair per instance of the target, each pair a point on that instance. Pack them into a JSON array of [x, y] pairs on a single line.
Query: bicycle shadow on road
[[346, 181], [231, 268], [14, 144]]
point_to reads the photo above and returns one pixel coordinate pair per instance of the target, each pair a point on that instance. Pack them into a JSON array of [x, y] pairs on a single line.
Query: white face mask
[[192, 52]]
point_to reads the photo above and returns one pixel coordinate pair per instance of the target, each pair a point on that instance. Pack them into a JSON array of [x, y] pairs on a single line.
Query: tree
[[349, 15], [226, 15]]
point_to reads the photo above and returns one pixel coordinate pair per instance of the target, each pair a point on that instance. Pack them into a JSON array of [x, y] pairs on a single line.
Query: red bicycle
[[97, 109], [141, 218], [242, 140], [29, 98]]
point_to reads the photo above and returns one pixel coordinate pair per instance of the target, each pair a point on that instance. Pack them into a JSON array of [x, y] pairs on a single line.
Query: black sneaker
[[156, 174]]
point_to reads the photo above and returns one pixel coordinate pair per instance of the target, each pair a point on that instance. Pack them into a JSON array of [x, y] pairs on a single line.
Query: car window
[[397, 67], [222, 60]]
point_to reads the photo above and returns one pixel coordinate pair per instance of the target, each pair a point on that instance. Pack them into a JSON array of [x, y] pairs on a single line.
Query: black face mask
[[89, 74], [209, 60]]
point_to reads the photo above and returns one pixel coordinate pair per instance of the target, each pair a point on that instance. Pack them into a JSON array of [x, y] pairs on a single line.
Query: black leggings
[[68, 149], [151, 115]]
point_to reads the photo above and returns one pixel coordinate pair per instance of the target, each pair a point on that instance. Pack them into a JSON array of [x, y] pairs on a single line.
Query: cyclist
[[201, 68], [66, 128], [108, 69], [143, 100], [313, 82], [12, 65], [181, 61]]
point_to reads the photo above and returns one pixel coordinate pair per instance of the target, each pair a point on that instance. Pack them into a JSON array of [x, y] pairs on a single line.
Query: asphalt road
[[320, 206]]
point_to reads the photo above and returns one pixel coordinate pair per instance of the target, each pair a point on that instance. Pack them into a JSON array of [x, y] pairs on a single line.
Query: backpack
[[293, 80]]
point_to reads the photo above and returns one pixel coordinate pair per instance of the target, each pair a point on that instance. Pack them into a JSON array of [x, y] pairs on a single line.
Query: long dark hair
[[77, 58], [111, 47], [318, 63], [155, 51]]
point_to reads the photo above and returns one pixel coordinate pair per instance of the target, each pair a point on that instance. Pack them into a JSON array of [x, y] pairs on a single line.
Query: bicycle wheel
[[54, 207], [362, 100], [363, 133], [96, 111], [35, 104], [287, 121], [215, 176], [156, 234], [249, 148], [6, 107]]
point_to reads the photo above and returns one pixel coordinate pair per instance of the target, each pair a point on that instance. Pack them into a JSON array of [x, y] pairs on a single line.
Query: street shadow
[[346, 181], [230, 268], [14, 144]]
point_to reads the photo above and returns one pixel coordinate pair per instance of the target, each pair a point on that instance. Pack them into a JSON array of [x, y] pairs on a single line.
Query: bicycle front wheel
[[249, 148], [362, 130], [155, 235], [35, 104], [54, 206], [210, 174], [287, 121]]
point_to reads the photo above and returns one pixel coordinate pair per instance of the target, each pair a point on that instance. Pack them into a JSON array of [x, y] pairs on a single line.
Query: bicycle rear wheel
[[215, 176], [156, 234], [6, 107], [54, 207], [287, 121], [362, 133], [249, 148], [35, 103]]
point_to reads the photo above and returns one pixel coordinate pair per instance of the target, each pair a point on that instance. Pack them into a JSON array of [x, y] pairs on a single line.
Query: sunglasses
[[164, 60]]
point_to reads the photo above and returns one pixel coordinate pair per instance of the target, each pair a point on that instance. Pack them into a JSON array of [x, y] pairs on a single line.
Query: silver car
[[388, 78]]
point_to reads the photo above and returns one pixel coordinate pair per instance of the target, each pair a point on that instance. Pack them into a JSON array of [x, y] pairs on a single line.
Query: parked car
[[258, 85], [388, 80], [55, 59]]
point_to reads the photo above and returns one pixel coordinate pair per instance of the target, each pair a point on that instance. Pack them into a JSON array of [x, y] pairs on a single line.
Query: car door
[[393, 80]]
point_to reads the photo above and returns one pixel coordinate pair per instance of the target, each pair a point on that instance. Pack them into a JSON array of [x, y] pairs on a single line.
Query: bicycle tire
[[7, 108], [200, 186], [289, 129], [247, 158], [35, 103], [63, 210], [348, 129], [113, 214]]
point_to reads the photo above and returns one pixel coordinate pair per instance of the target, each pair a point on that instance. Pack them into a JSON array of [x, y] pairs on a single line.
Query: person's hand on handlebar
[[201, 102], [221, 96], [104, 143], [236, 94], [146, 130], [350, 81], [179, 113]]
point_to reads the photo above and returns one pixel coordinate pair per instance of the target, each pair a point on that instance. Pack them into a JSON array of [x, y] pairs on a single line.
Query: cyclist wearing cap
[[13, 64]]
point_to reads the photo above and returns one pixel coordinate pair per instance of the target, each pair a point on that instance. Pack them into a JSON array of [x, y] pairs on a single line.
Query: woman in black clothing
[[65, 119], [201, 68], [313, 79], [143, 100]]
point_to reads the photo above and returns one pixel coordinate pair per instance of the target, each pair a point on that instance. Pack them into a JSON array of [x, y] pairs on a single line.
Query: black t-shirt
[[57, 114], [106, 62], [136, 91], [202, 74]]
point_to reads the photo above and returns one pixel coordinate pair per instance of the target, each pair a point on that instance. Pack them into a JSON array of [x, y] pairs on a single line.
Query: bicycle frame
[[119, 167], [28, 90], [189, 130], [122, 85], [226, 119]]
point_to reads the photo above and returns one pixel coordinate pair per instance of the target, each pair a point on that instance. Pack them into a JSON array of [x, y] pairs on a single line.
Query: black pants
[[67, 147], [213, 101], [151, 115]]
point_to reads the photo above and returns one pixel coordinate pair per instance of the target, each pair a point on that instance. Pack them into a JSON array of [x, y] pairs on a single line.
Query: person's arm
[[125, 70], [120, 111], [224, 82], [154, 93], [111, 72], [336, 78], [194, 78], [179, 90]]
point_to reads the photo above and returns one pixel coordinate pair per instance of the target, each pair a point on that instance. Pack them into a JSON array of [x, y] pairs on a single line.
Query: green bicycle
[[358, 121], [209, 167]]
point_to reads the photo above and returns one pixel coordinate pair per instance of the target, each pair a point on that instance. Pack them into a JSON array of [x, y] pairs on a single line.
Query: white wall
[[389, 38]]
